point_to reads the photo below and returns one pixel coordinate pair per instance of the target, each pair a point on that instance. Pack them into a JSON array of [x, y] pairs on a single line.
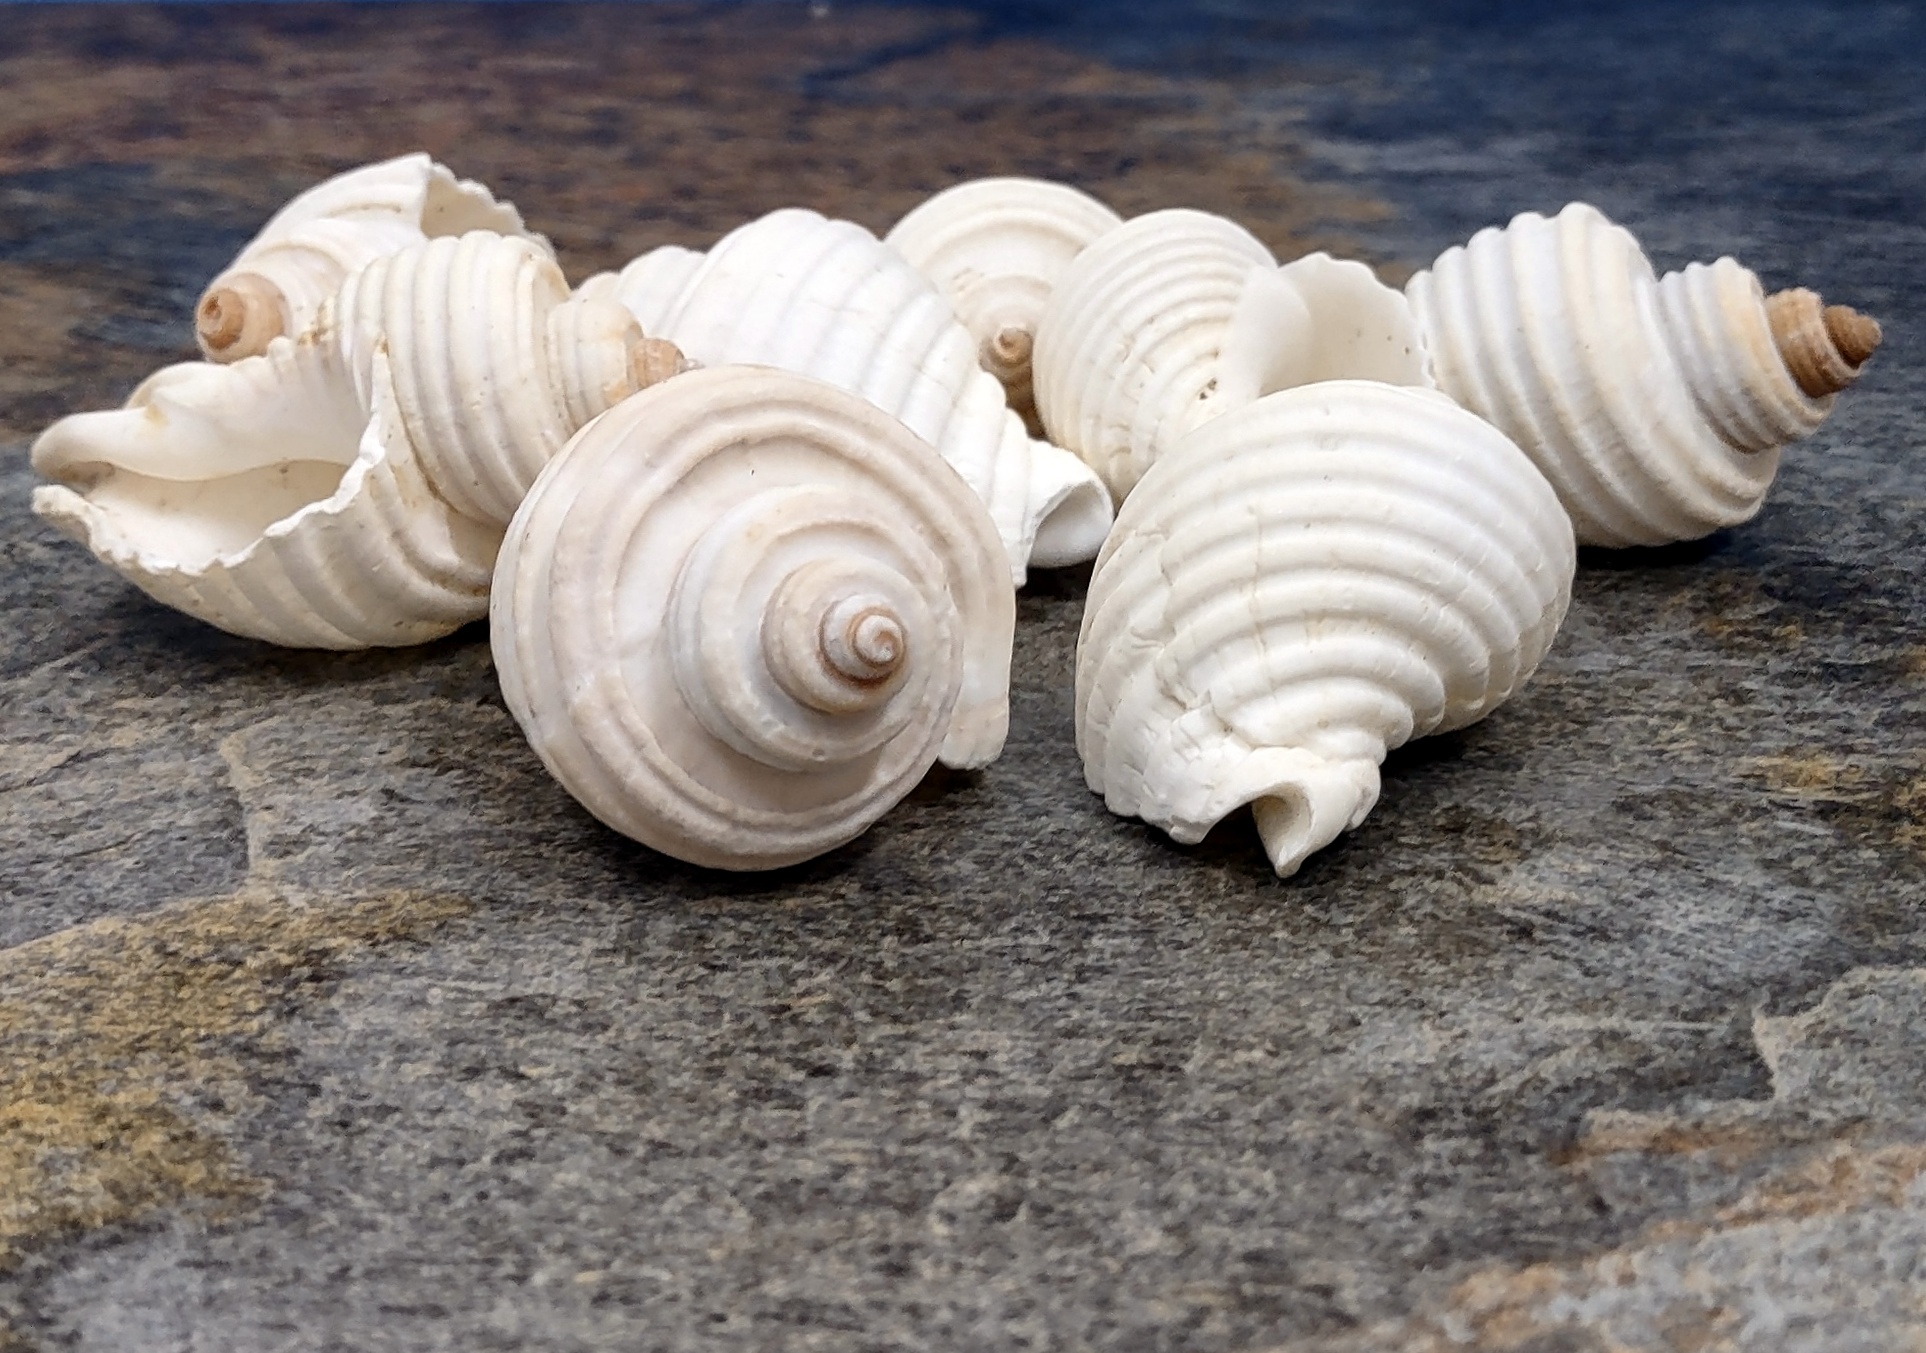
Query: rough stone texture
[[328, 1022]]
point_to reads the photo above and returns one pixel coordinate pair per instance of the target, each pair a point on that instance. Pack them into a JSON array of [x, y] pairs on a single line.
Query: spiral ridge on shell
[[1304, 584], [743, 612], [827, 299], [1656, 406]]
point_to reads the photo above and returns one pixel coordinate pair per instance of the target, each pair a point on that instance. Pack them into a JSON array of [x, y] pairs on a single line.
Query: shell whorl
[[743, 612], [995, 249], [1656, 406], [827, 299], [277, 284], [495, 365], [1304, 584], [1179, 316]]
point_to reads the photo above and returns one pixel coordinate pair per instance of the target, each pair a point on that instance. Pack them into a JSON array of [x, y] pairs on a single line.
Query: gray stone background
[[328, 1022]]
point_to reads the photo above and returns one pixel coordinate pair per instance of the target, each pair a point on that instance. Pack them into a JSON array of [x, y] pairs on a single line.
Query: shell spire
[[1303, 584], [276, 285], [743, 612], [1657, 406], [827, 299]]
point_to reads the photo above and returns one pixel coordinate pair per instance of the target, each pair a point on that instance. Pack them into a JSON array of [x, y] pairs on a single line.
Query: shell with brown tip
[[743, 612], [275, 286], [1657, 406]]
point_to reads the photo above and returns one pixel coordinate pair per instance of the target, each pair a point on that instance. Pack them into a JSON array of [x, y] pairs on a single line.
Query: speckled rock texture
[[328, 1022]]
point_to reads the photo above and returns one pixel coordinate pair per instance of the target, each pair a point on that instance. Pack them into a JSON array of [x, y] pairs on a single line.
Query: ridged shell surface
[[827, 299], [277, 283], [495, 365], [1655, 405], [995, 249], [261, 498], [1179, 316], [743, 612], [1302, 585]]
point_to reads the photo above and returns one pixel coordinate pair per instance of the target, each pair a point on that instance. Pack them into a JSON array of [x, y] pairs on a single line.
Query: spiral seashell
[[277, 283], [829, 300], [1302, 585], [1179, 316], [495, 365], [995, 248], [262, 498], [1657, 406], [743, 612]]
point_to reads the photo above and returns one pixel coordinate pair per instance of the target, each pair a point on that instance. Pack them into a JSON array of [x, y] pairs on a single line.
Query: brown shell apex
[[239, 316], [1823, 346]]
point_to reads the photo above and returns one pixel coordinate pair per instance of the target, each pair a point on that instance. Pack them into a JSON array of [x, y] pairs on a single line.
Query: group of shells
[[748, 524]]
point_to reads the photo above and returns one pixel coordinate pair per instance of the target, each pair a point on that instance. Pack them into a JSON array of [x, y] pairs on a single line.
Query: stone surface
[[328, 1022]]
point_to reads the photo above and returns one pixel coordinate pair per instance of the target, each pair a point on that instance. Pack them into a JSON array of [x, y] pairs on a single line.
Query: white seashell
[[995, 248], [1180, 316], [277, 283], [743, 612], [827, 299], [495, 365], [1301, 586], [350, 489], [1655, 405], [261, 498]]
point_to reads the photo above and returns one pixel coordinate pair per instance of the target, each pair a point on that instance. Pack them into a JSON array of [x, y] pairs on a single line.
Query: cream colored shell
[[1656, 405], [1302, 585], [349, 489], [277, 283], [743, 612], [264, 499], [1179, 316], [495, 364], [995, 248], [829, 300]]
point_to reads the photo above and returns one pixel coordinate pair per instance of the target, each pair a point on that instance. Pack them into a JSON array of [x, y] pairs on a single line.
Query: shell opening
[[239, 316]]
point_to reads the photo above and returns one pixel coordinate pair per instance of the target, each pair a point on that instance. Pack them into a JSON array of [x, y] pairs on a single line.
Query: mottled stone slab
[[327, 1021]]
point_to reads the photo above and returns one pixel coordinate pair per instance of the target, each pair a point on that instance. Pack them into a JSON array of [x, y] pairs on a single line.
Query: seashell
[[1180, 316], [495, 365], [829, 300], [262, 498], [351, 489], [1657, 406], [995, 248], [1302, 585], [741, 614], [277, 283]]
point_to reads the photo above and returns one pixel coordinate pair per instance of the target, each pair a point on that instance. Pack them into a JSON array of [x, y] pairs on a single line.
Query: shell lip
[[68, 508]]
